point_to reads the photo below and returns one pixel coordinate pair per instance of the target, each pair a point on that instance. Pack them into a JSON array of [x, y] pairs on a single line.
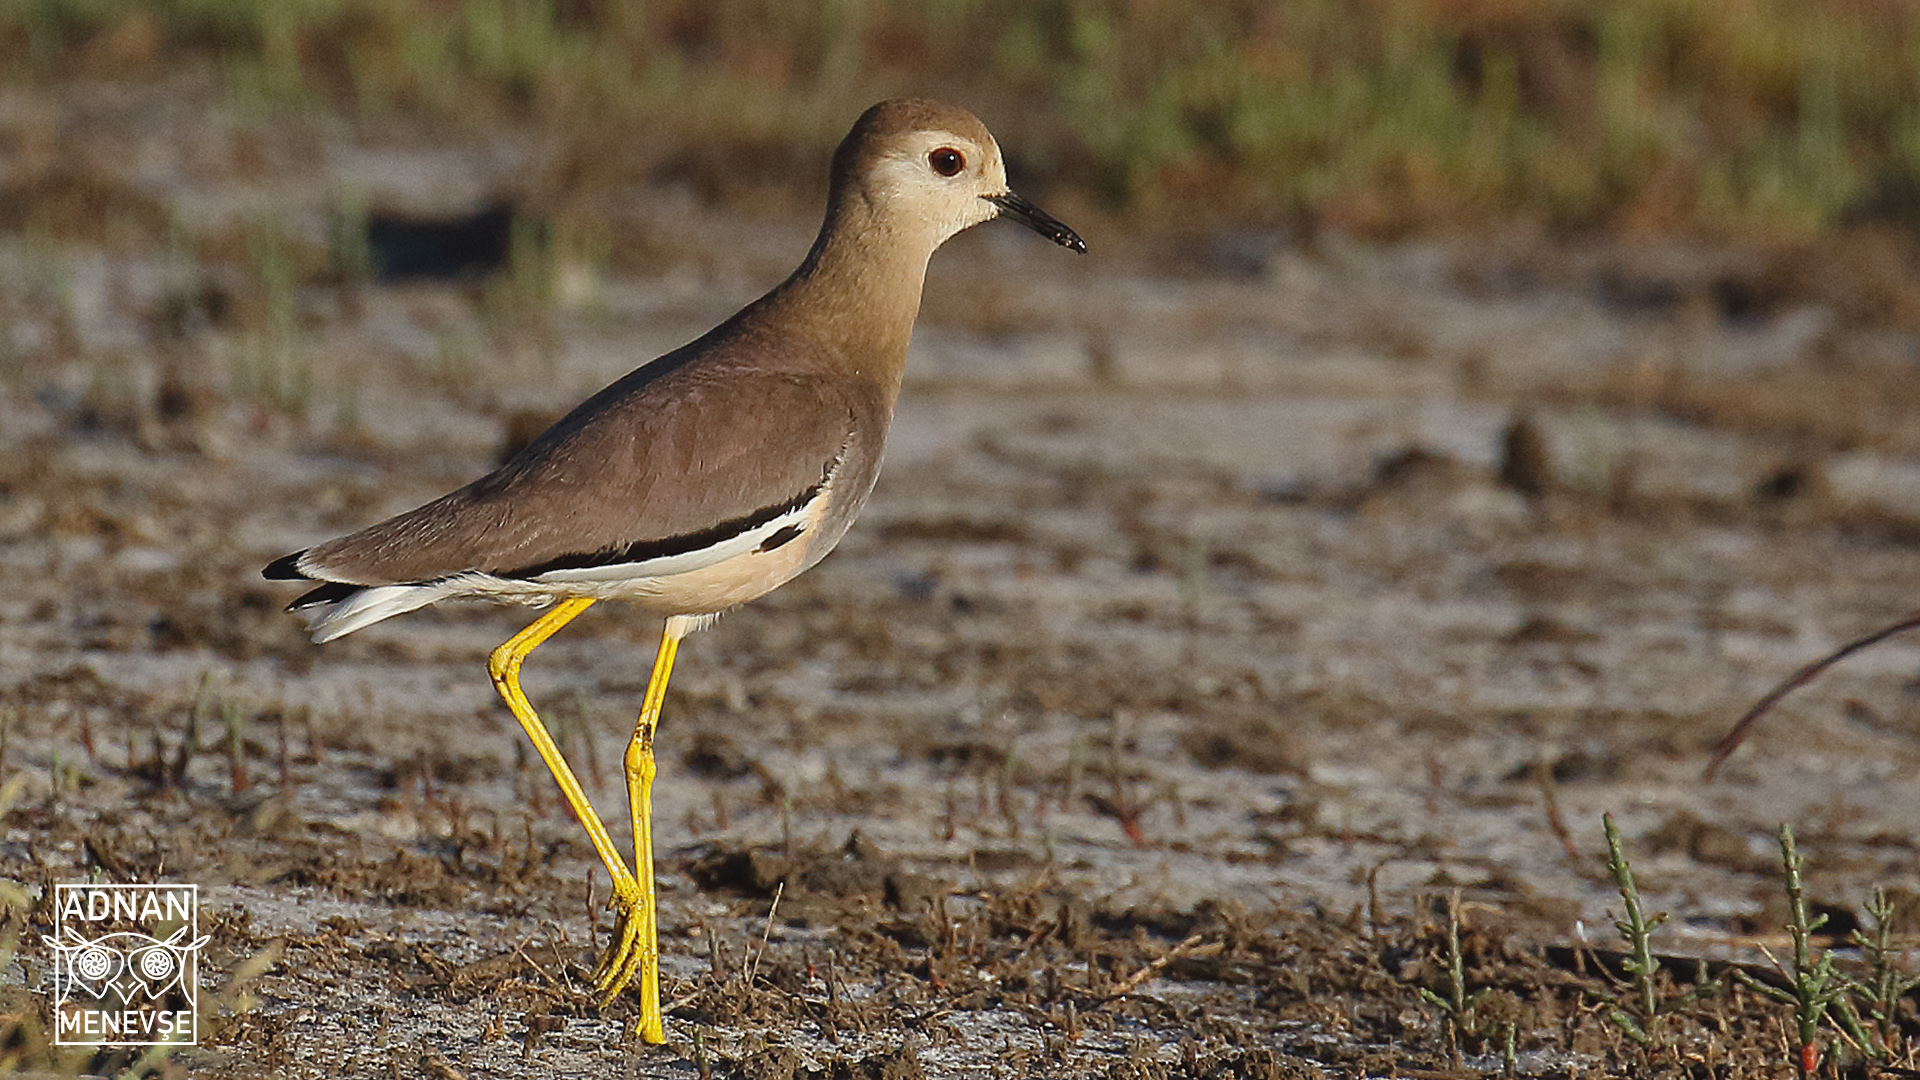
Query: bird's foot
[[622, 960], [632, 952]]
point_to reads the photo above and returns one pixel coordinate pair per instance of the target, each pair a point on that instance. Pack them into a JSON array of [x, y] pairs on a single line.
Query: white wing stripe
[[687, 561]]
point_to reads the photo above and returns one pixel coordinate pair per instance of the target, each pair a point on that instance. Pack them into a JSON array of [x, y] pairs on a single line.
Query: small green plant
[[530, 264], [700, 1060], [347, 245], [1640, 1019], [1885, 983], [1815, 991], [1637, 929], [520, 302], [272, 364], [1460, 1008], [236, 725]]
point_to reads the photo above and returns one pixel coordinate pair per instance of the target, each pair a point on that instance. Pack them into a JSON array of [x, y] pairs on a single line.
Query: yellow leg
[[632, 907], [640, 947]]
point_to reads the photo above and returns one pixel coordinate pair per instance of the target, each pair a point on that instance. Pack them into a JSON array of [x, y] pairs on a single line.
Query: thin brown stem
[[1731, 741]]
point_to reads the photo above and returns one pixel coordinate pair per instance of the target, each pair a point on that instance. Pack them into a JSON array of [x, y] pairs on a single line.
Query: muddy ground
[[1229, 602]]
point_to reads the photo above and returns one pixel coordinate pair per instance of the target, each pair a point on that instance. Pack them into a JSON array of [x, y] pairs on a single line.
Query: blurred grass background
[[1724, 117]]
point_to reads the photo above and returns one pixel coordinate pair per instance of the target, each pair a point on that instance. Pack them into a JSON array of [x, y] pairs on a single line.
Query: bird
[[700, 480]]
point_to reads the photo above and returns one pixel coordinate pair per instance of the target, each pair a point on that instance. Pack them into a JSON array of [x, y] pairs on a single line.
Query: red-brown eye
[[947, 161]]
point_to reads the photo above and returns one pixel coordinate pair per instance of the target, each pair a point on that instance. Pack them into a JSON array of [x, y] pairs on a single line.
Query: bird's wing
[[659, 463]]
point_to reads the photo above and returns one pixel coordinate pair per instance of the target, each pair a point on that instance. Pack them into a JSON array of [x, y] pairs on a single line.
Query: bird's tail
[[333, 609], [340, 607]]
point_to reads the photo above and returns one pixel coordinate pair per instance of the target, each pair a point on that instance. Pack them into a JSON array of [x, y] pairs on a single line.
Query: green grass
[[1886, 983], [272, 363], [1638, 1013], [1821, 998], [1827, 1004], [1786, 115], [1459, 1007]]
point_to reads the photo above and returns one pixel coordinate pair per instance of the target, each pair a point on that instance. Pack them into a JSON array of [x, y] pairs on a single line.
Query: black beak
[[1038, 220]]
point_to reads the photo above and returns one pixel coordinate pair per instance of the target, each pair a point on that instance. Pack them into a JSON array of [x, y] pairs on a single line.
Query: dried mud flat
[[1225, 607]]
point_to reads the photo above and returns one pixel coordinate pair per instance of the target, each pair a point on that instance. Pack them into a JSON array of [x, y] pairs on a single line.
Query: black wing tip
[[331, 592], [285, 568]]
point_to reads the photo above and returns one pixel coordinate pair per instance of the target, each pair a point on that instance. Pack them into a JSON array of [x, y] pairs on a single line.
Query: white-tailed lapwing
[[700, 480]]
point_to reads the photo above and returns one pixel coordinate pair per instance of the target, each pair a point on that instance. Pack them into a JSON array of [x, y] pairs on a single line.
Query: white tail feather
[[366, 607]]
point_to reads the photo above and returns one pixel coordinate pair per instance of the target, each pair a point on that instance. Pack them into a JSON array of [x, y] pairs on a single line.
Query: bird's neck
[[858, 291]]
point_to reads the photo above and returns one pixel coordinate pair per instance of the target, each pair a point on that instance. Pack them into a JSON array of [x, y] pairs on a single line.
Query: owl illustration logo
[[131, 968], [117, 981]]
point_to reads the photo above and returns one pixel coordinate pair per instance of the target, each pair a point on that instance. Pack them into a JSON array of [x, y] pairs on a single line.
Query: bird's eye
[[947, 161]]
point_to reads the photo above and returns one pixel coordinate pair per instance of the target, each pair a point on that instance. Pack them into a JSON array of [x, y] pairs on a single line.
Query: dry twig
[[1731, 741]]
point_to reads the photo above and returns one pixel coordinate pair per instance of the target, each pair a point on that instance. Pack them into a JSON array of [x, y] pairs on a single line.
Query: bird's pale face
[[939, 183]]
